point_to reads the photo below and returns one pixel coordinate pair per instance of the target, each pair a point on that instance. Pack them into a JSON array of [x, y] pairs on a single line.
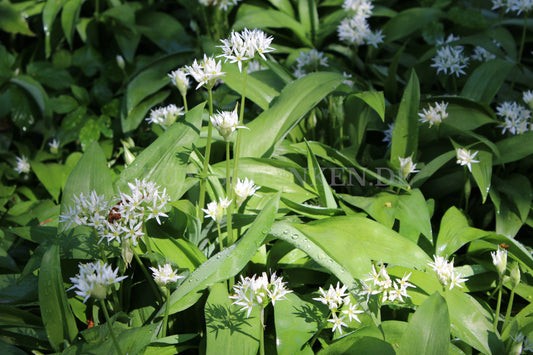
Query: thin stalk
[[498, 305], [319, 330], [521, 49], [111, 332], [262, 335], [203, 176], [184, 97], [148, 277], [220, 241], [165, 317], [229, 216], [509, 309]]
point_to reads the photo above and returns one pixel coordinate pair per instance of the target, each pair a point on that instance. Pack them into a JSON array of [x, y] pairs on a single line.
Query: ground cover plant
[[266, 176]]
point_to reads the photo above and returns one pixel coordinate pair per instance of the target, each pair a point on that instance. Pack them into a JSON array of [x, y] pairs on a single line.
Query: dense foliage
[[266, 176]]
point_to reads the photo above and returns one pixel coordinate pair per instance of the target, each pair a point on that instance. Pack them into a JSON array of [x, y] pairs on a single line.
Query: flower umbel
[[464, 157], [434, 114], [407, 167], [164, 274], [226, 122], [445, 272], [23, 166], [94, 280], [243, 189], [180, 80], [499, 259]]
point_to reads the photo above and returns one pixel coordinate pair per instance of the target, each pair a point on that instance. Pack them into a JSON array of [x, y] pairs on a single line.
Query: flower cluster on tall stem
[[380, 283], [445, 272]]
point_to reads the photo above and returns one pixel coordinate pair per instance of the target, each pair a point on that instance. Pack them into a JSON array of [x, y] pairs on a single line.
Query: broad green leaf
[[413, 214], [256, 90], [308, 16], [12, 20], [165, 160], [226, 263], [382, 206], [69, 18], [374, 99], [471, 323], [250, 16], [228, 329], [405, 133], [486, 80], [283, 5], [429, 169], [15, 291], [455, 232], [270, 128], [52, 176], [482, 172], [91, 173], [319, 181], [50, 11], [35, 91], [57, 316], [428, 331], [140, 112], [409, 21], [514, 148], [164, 30], [296, 322], [183, 253], [315, 212], [355, 345]]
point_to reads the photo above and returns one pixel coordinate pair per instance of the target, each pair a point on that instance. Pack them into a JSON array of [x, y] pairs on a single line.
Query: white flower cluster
[[180, 80], [244, 189], [258, 291], [206, 72], [482, 55], [445, 272], [216, 210], [309, 61], [355, 29], [243, 46], [338, 301], [499, 259], [435, 114], [226, 122], [23, 165], [450, 60], [381, 283], [165, 116], [222, 4], [388, 134], [94, 280], [164, 274], [407, 167], [513, 5], [123, 220], [464, 157], [516, 117]]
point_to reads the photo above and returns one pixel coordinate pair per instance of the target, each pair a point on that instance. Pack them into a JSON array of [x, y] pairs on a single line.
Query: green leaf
[[319, 181], [182, 253], [414, 215], [139, 113], [514, 148], [296, 99], [165, 160], [455, 232], [57, 316], [374, 99], [296, 321], [164, 30], [486, 80], [50, 11], [256, 90], [430, 168], [357, 345], [405, 133], [482, 172], [12, 20], [228, 329], [35, 91], [471, 323], [52, 176], [250, 16], [226, 263], [69, 18], [409, 21], [428, 331]]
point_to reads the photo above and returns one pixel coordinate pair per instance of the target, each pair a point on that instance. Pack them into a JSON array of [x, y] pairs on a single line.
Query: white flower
[[180, 80], [407, 167], [309, 61], [242, 46], [516, 117], [499, 259], [337, 323], [354, 30], [450, 59], [226, 122], [445, 272], [464, 157], [216, 210], [164, 274], [528, 98], [482, 55], [388, 134], [352, 312], [165, 116], [54, 146], [347, 79], [374, 38], [23, 166], [206, 73], [94, 280], [243, 189], [434, 115], [91, 210]]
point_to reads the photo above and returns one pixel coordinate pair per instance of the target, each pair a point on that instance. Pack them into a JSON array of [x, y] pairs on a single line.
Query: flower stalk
[[165, 317], [203, 175], [110, 326]]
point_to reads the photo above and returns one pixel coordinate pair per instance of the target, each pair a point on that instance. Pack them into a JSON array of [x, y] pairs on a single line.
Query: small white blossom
[[23, 165], [180, 80], [464, 157], [528, 97], [216, 210], [407, 167], [499, 259], [445, 272], [241, 47], [206, 72], [388, 134], [94, 280], [516, 117], [482, 55], [164, 274], [435, 114], [450, 60], [226, 122], [310, 61], [338, 323], [244, 189], [165, 116], [54, 146]]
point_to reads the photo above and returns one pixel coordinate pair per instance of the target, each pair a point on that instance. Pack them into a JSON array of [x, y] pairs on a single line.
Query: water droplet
[[218, 256], [285, 232], [294, 236], [264, 231]]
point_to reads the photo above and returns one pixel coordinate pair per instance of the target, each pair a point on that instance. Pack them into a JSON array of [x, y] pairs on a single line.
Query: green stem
[[165, 317], [111, 332], [184, 97], [148, 277], [229, 184], [203, 176], [520, 50], [498, 305], [319, 330], [220, 241], [262, 335], [509, 309]]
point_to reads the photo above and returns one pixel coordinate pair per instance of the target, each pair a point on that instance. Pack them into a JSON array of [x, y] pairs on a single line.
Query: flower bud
[[499, 259], [515, 276]]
